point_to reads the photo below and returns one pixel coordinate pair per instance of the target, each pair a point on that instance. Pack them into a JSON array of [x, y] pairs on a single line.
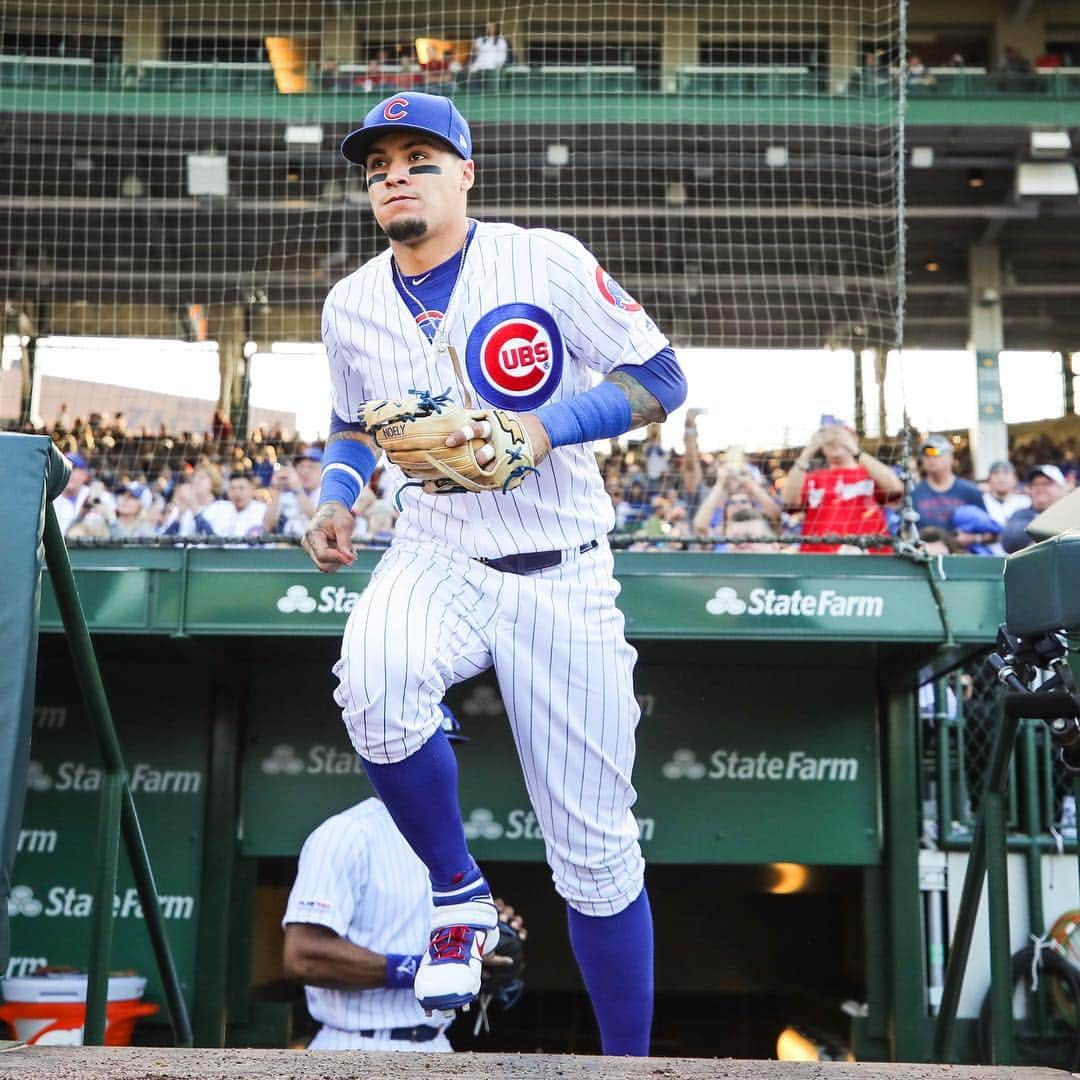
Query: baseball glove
[[413, 433], [503, 983]]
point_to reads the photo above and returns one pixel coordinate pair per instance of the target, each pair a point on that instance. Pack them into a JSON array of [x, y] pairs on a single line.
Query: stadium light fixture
[[1046, 178], [675, 194], [922, 157], [304, 135], [207, 174], [558, 154], [1050, 144]]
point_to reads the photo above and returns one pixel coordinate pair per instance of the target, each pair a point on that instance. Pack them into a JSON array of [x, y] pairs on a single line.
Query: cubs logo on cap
[[614, 293], [514, 356], [410, 111]]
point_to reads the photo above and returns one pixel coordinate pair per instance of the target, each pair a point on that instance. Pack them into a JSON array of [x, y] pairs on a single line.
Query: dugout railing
[[994, 791], [34, 473]]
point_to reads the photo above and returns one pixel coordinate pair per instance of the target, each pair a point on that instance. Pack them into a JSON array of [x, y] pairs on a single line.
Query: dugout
[[777, 777]]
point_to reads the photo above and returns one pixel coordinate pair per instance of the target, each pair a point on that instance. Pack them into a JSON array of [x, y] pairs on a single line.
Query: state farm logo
[[37, 841], [18, 966], [332, 598], [282, 762], [143, 777], [826, 603], [794, 766], [50, 717], [23, 902], [725, 601], [63, 901], [483, 701], [683, 765], [37, 779], [296, 599], [482, 824], [319, 760]]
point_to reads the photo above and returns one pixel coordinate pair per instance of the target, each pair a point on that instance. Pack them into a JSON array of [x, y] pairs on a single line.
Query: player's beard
[[405, 229]]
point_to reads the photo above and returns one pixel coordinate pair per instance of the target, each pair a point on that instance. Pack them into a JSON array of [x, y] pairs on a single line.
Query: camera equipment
[[1042, 605]]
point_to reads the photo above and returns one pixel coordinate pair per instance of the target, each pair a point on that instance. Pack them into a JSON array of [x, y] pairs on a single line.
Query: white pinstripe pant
[[565, 671]]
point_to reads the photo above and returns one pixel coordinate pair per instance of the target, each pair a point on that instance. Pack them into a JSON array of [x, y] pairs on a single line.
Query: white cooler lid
[[69, 987]]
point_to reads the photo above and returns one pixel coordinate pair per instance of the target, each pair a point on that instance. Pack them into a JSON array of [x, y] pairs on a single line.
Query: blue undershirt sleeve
[[662, 376], [604, 412]]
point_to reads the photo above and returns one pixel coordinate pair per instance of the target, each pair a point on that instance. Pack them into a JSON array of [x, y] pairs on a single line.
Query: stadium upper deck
[[685, 131]]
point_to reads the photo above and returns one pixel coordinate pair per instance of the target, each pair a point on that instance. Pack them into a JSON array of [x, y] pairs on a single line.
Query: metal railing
[[993, 786], [118, 816], [719, 80]]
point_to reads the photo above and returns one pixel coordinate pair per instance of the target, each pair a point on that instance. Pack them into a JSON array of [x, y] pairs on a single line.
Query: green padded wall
[[30, 472]]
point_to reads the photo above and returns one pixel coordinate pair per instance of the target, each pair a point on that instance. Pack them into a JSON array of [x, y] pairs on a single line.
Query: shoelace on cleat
[[451, 943]]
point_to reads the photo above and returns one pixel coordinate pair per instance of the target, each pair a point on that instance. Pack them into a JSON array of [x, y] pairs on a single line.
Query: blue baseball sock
[[615, 954], [420, 792]]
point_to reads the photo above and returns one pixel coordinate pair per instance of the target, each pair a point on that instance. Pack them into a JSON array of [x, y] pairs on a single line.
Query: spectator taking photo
[[847, 496]]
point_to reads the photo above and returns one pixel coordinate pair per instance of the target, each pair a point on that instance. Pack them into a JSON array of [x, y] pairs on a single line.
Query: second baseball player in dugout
[[499, 558]]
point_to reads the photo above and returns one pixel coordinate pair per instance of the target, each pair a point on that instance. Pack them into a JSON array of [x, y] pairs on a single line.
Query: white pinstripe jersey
[[359, 877], [533, 319]]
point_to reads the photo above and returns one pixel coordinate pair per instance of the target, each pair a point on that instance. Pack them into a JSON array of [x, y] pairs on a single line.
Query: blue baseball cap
[[410, 111], [312, 453], [972, 519], [451, 725], [77, 460]]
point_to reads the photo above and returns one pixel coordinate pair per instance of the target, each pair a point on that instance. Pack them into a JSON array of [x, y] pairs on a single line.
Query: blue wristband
[[662, 377], [400, 971], [347, 467], [600, 413]]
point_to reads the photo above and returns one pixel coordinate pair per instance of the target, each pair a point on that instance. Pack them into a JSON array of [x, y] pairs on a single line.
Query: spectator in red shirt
[[846, 497]]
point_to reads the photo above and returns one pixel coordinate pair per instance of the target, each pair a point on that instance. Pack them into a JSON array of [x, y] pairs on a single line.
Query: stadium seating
[[747, 79], [520, 80]]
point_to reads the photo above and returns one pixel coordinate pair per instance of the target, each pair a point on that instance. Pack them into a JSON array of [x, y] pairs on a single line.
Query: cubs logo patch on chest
[[514, 356]]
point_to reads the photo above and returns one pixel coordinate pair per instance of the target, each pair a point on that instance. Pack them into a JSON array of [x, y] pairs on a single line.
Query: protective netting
[[960, 714], [172, 175]]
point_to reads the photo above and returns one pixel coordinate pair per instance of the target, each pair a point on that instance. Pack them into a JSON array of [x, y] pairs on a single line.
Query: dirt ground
[[139, 1063]]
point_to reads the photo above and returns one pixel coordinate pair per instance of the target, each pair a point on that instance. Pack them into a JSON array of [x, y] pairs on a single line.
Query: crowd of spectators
[[430, 64], [835, 494]]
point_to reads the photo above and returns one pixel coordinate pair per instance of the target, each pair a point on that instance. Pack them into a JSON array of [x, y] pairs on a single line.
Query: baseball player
[[355, 925], [498, 562]]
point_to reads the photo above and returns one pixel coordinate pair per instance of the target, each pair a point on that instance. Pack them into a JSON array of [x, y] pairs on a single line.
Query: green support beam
[[907, 963]]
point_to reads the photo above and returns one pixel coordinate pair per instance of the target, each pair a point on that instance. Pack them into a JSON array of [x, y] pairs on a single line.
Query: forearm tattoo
[[355, 436], [644, 408]]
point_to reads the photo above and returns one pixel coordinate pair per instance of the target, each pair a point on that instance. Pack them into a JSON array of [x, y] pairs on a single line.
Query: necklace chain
[[421, 308]]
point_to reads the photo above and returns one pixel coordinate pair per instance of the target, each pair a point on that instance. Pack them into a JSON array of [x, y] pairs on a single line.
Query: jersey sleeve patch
[[613, 292]]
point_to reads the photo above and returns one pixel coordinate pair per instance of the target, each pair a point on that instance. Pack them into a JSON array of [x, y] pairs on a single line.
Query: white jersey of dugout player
[[359, 877], [533, 318]]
